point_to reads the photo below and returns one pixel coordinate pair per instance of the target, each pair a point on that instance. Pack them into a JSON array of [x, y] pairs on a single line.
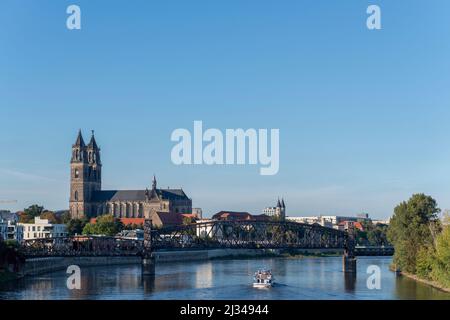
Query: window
[[77, 173], [76, 196]]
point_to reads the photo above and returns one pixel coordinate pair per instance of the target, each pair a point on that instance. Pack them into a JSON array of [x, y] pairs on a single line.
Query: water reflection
[[309, 278], [148, 284], [350, 281]]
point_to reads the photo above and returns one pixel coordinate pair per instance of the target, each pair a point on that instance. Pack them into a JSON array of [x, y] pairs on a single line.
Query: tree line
[[421, 240]]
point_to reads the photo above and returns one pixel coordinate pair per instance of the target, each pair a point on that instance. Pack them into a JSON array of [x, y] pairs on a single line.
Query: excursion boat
[[263, 279]]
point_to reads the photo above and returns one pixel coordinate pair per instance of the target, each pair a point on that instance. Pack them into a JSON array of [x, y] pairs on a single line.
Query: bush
[[425, 262], [441, 265]]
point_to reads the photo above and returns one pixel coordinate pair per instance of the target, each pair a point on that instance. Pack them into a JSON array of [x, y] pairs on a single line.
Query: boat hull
[[262, 285]]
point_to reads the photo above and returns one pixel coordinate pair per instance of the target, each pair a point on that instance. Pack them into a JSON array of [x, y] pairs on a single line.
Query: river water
[[304, 279]]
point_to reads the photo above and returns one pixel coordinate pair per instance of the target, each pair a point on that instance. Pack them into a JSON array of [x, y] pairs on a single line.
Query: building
[[14, 231], [231, 215], [329, 221], [87, 199], [385, 222], [198, 212], [205, 228], [137, 234], [3, 230], [239, 216], [42, 228], [345, 225], [279, 211], [9, 216], [10, 229]]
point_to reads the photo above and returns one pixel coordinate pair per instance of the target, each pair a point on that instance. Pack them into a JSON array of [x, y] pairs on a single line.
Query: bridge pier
[[349, 264], [148, 257], [349, 259]]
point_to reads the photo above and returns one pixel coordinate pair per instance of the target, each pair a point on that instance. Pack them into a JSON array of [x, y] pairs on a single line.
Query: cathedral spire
[[80, 141], [278, 203], [93, 143], [282, 203], [154, 182]]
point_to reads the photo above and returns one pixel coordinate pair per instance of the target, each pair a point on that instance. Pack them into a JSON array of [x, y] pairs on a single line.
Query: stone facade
[[87, 199]]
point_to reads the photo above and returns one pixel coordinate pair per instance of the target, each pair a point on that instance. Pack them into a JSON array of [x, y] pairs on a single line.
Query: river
[[304, 279]]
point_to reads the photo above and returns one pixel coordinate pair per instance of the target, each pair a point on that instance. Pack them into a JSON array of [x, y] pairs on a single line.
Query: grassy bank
[[431, 283]]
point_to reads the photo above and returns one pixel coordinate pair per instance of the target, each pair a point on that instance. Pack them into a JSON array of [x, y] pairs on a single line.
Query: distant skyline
[[363, 115]]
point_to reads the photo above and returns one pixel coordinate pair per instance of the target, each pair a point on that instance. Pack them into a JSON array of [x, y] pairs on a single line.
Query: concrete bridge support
[[349, 264], [349, 259], [148, 257]]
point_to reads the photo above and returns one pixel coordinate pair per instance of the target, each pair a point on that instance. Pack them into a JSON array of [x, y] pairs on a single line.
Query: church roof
[[137, 195]]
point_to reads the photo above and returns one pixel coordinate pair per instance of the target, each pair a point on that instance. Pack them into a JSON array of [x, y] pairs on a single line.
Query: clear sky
[[363, 115]]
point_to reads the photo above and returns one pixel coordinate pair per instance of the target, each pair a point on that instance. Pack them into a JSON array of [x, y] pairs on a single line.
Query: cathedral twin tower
[[85, 175]]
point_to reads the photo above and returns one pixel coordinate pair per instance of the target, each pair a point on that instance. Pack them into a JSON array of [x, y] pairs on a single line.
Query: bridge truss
[[248, 234]]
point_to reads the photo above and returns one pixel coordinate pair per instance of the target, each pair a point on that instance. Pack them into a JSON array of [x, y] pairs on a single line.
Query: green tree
[[30, 213], [105, 225], [76, 226], [411, 229], [50, 216], [65, 217], [187, 221], [441, 262], [425, 262]]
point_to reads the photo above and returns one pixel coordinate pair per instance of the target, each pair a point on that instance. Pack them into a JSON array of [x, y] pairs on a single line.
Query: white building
[[278, 211], [386, 222], [207, 228], [14, 231], [198, 212], [42, 228], [327, 221]]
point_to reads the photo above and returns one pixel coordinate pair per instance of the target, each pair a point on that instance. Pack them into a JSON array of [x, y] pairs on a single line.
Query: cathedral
[[87, 199]]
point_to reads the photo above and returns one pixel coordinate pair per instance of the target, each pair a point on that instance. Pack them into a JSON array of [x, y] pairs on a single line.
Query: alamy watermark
[[374, 20], [374, 279], [235, 146], [74, 280], [73, 21]]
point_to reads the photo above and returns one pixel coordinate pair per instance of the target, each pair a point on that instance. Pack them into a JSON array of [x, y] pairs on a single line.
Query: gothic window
[[77, 154], [76, 196], [141, 209], [77, 173]]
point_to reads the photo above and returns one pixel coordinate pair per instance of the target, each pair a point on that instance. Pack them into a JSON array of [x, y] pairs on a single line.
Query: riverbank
[[431, 283]]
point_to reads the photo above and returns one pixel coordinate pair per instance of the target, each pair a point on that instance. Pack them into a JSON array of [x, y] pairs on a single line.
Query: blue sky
[[363, 115]]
